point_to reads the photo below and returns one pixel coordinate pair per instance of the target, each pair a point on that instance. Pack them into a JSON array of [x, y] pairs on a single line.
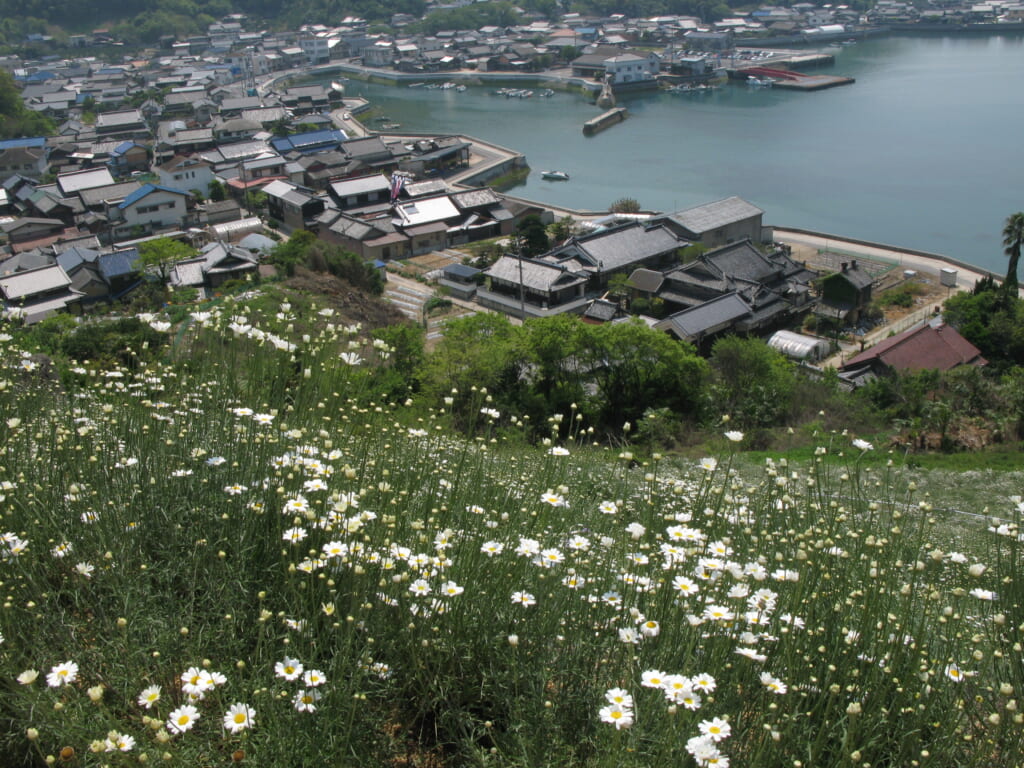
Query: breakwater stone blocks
[[604, 120]]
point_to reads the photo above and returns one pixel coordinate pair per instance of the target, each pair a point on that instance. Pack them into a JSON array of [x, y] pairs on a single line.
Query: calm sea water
[[925, 150]]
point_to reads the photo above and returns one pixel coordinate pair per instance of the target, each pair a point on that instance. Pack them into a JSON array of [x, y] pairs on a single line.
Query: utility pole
[[522, 289]]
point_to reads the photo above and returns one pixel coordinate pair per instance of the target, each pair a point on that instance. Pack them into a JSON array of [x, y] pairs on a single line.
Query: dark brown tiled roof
[[924, 348]]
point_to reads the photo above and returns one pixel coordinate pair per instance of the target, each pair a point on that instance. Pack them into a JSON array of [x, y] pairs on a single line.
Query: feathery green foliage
[[329, 576]]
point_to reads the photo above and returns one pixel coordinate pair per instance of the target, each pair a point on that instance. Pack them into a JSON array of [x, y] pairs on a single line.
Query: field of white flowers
[[234, 555]]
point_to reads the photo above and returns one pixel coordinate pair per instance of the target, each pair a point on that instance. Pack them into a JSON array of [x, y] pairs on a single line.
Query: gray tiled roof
[[112, 192], [536, 275], [36, 281], [707, 317], [709, 216], [618, 248]]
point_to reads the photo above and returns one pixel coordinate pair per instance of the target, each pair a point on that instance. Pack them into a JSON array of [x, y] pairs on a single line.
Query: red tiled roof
[[924, 348], [260, 181]]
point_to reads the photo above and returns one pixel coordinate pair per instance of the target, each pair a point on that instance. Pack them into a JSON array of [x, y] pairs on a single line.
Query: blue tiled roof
[[123, 147], [140, 193], [118, 263], [36, 142], [72, 257], [307, 142]]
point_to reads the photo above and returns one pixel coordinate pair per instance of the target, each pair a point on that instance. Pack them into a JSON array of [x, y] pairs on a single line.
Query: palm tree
[[1013, 239]]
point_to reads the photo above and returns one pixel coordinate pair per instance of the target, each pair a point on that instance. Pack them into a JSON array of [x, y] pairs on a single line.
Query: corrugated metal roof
[[361, 185], [69, 183]]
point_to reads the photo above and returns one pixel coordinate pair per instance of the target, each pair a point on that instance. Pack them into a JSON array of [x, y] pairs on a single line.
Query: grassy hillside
[[244, 553]]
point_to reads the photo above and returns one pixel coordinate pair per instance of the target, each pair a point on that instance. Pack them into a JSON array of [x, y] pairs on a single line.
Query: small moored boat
[[554, 175]]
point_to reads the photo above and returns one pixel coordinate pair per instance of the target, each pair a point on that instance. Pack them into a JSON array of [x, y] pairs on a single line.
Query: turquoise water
[[925, 150]]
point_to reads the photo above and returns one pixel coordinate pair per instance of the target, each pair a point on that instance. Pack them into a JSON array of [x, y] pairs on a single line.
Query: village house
[[128, 157], [127, 124], [186, 173], [936, 347], [374, 238], [525, 287], [34, 295], [846, 294], [71, 183], [215, 264], [293, 206], [718, 223], [28, 232], [360, 192], [151, 208], [702, 324], [24, 156], [629, 68], [460, 281]]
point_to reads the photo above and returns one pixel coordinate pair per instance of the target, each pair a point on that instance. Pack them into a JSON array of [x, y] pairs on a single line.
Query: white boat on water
[[337, 87], [554, 175]]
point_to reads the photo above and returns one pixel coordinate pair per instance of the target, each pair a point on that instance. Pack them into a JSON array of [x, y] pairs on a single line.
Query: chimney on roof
[[853, 264], [844, 265]]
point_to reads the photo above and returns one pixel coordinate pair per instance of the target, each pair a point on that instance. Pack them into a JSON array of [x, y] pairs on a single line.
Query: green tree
[[635, 368], [625, 205], [753, 383], [992, 319], [218, 192], [1013, 240], [476, 351], [618, 285], [15, 119], [548, 351], [335, 260], [533, 236], [161, 254], [403, 359], [291, 253], [563, 229]]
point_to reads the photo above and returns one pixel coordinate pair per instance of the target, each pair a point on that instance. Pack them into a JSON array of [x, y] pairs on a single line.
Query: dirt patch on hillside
[[351, 304]]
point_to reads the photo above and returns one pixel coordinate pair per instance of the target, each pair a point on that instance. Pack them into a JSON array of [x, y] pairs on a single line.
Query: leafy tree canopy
[[15, 120], [162, 253], [533, 236], [992, 319]]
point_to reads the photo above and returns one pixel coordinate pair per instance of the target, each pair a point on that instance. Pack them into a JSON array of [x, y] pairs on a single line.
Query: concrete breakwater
[[604, 120]]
